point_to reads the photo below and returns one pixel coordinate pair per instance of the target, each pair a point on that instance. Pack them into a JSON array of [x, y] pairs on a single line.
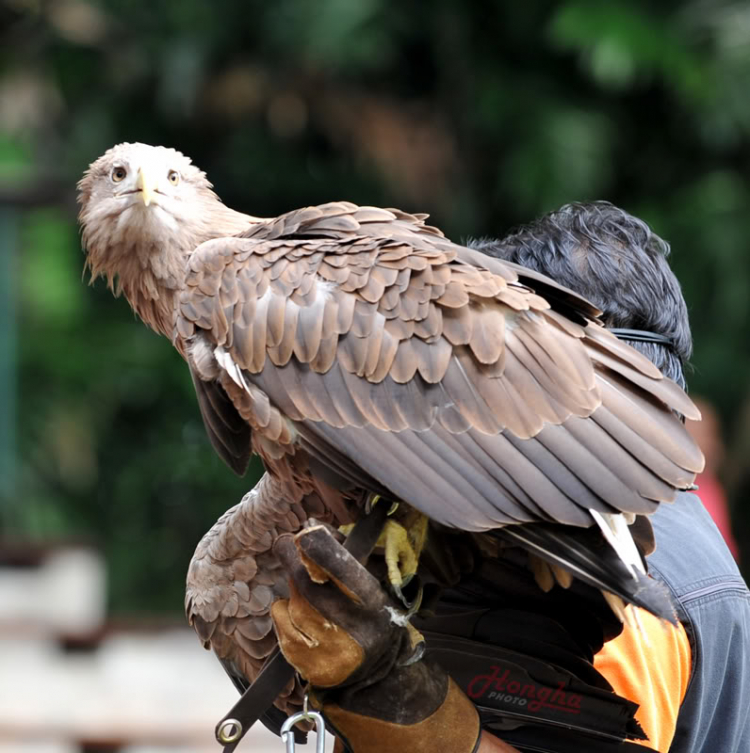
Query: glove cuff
[[453, 726]]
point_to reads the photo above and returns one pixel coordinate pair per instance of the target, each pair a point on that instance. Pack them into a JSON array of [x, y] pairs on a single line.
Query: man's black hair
[[615, 261]]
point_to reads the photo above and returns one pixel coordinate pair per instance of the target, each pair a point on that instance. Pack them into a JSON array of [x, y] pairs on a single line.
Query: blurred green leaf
[[566, 155], [16, 161], [50, 269], [621, 44]]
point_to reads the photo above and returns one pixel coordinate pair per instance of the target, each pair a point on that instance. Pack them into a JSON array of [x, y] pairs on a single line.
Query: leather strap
[[275, 674]]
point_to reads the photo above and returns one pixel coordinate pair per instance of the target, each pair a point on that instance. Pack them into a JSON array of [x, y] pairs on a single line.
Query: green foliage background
[[485, 114]]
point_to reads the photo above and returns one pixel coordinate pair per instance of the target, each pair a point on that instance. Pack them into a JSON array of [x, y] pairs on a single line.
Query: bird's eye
[[173, 177], [118, 174]]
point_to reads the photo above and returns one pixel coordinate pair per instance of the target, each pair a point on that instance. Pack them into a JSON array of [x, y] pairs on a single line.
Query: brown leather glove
[[346, 637]]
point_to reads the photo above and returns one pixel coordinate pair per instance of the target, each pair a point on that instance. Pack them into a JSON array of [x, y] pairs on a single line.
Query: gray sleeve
[[713, 603]]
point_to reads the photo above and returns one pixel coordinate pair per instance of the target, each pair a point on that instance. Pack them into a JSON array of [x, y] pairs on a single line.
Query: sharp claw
[[416, 603], [372, 500], [418, 653], [399, 594], [412, 604]]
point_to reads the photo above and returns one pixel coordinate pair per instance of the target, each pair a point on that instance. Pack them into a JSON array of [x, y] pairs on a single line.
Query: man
[[614, 260], [692, 683]]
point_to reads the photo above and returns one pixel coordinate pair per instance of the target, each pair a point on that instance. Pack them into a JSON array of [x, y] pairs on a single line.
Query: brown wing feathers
[[368, 328]]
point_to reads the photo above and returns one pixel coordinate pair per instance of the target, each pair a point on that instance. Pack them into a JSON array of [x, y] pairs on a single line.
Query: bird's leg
[[400, 557], [402, 542], [403, 545]]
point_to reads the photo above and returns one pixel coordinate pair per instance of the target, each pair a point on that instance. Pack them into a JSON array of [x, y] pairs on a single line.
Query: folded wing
[[404, 362]]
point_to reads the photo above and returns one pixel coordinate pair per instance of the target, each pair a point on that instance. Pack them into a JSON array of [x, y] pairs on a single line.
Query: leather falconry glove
[[347, 638]]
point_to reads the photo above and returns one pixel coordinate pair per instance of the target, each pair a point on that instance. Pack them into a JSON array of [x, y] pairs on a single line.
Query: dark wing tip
[[228, 432], [585, 554]]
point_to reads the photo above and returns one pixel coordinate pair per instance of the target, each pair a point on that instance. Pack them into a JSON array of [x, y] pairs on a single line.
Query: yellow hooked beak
[[147, 185]]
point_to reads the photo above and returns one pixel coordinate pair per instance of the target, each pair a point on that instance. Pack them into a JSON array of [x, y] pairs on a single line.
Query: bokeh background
[[485, 114]]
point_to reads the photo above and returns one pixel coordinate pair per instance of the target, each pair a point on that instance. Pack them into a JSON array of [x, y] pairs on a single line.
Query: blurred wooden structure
[[72, 683]]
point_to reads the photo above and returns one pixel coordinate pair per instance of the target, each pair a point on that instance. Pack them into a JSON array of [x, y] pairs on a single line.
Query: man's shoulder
[[691, 556], [713, 604]]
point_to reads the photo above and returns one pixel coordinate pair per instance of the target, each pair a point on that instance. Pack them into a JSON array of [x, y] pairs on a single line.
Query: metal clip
[[287, 735]]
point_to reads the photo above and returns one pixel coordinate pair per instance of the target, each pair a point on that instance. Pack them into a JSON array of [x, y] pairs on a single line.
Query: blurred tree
[[484, 114]]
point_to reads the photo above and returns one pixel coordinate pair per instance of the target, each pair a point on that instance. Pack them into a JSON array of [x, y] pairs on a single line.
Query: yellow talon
[[399, 555], [402, 542]]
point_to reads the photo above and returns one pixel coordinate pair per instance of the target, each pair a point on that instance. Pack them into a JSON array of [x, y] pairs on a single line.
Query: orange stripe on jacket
[[653, 670]]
